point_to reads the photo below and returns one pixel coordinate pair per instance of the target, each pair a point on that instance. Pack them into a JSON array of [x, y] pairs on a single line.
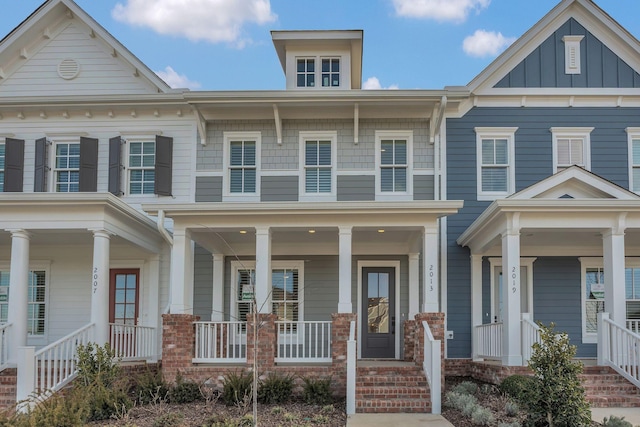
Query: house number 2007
[[95, 279], [514, 277]]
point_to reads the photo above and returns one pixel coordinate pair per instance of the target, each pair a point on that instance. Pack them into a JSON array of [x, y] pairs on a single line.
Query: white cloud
[[372, 83], [440, 10], [175, 80], [209, 20], [486, 43]]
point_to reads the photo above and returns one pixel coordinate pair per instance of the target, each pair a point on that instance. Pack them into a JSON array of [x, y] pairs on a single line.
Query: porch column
[[181, 279], [153, 318], [100, 286], [476, 301], [18, 289], [217, 305], [511, 348], [614, 275], [414, 285], [431, 281], [263, 270], [344, 280]]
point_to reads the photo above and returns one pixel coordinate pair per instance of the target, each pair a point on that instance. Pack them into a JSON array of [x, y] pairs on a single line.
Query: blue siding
[[533, 152], [545, 66]]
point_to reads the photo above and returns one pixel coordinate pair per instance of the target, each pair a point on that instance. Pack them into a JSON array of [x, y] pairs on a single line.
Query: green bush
[[614, 421], [518, 387], [184, 391], [317, 391], [466, 387], [275, 389], [170, 419], [96, 364], [69, 410], [482, 416], [558, 399], [513, 424], [236, 388], [458, 401], [150, 387], [511, 408]]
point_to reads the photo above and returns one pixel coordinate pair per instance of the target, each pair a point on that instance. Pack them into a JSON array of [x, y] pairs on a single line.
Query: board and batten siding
[[100, 73], [533, 162], [545, 66]]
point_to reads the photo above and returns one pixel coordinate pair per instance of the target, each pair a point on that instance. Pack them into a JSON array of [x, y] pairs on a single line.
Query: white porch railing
[[5, 344], [634, 325], [530, 336], [432, 366], [351, 369], [303, 342], [220, 342], [619, 348], [133, 342], [489, 341]]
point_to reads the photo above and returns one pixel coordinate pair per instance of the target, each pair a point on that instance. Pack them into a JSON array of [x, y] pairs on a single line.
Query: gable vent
[[68, 69], [572, 59]]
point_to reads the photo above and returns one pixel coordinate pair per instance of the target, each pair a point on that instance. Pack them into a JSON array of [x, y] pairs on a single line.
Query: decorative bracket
[[276, 116]]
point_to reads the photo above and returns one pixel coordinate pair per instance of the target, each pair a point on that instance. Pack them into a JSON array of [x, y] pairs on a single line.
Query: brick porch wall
[[488, 372], [178, 344]]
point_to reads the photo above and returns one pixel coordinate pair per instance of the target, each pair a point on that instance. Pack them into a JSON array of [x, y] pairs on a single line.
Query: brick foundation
[[436, 324], [409, 328], [178, 344], [8, 381]]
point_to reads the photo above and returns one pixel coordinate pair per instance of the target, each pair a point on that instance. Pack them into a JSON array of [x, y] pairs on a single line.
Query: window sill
[[492, 197], [393, 197], [253, 198]]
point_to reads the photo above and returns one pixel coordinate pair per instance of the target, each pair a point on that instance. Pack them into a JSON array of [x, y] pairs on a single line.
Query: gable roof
[[38, 26], [587, 13]]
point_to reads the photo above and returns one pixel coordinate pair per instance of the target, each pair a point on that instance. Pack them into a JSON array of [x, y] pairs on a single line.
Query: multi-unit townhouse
[[168, 222]]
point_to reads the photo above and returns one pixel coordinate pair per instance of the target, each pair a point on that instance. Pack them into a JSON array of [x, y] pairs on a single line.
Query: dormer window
[[307, 74], [330, 72]]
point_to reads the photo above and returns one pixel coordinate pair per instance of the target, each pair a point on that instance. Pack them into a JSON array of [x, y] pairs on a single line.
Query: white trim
[[344, 73], [363, 172], [406, 135], [381, 263], [583, 133], [524, 262], [127, 168], [208, 173], [303, 137], [572, 59], [507, 133], [50, 162], [633, 133], [226, 152], [424, 171], [280, 172]]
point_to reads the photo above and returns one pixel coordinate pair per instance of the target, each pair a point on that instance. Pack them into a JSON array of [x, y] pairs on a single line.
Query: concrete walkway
[[393, 420], [630, 414]]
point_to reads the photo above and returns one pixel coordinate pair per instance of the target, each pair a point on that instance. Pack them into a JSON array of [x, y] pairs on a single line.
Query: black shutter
[[164, 165], [40, 174], [88, 164], [114, 165], [13, 165]]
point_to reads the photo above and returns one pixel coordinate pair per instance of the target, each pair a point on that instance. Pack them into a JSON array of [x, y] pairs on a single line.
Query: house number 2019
[[431, 278], [514, 277], [95, 279]]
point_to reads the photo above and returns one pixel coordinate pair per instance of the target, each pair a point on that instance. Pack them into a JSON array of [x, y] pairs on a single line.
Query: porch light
[[243, 231], [381, 230], [312, 231]]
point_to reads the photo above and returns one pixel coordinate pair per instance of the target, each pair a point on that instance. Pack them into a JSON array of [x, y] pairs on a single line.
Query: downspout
[[167, 237]]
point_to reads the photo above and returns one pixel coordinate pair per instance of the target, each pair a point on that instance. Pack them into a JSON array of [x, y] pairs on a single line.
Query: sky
[[226, 44]]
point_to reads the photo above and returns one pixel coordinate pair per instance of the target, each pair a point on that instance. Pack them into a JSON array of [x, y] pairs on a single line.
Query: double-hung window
[[37, 306], [632, 290], [142, 160], [2, 162], [571, 146], [242, 164], [634, 159], [66, 171], [393, 164], [495, 162], [318, 157]]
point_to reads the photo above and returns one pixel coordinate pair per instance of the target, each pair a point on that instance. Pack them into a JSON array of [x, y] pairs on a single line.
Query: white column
[[153, 302], [181, 279], [217, 304], [18, 288], [263, 270], [414, 285], [511, 332], [476, 300], [100, 287], [614, 276], [344, 278], [430, 282]]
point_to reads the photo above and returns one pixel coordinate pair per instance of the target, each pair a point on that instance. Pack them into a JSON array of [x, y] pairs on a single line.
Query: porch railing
[[432, 366], [351, 369], [5, 344], [619, 348], [220, 342], [489, 341], [634, 325], [303, 342], [530, 336], [133, 342]]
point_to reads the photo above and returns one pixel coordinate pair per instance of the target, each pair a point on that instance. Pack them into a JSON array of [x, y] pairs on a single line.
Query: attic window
[[68, 69], [572, 54]]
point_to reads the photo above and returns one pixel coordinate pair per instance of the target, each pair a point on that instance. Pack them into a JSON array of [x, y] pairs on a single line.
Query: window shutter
[[115, 154], [88, 164], [164, 165], [13, 165], [40, 174]]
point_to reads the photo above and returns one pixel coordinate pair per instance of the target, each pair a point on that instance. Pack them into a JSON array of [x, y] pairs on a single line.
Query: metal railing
[[433, 368], [530, 336], [133, 342], [619, 348], [489, 341], [220, 342], [303, 341]]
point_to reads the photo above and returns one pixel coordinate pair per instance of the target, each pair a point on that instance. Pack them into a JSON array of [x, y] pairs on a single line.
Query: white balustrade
[[220, 342], [634, 325], [619, 348], [133, 342], [530, 336], [351, 369], [489, 341], [432, 366], [5, 344], [303, 342]]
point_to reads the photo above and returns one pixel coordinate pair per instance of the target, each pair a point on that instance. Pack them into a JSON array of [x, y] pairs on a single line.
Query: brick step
[[628, 389], [392, 392], [613, 400], [391, 370], [391, 382], [382, 406]]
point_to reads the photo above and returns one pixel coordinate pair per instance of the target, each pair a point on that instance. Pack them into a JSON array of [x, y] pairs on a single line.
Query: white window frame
[[306, 73], [406, 135], [129, 168], [508, 133], [4, 162], [305, 136], [53, 170], [340, 56], [226, 153], [633, 134], [583, 133]]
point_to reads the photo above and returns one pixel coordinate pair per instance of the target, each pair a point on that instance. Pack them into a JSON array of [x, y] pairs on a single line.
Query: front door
[[123, 296], [378, 313]]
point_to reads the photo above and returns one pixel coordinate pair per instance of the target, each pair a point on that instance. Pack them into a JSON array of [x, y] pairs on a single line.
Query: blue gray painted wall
[[545, 66]]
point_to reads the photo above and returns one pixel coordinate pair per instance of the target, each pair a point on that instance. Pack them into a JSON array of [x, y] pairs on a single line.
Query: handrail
[[619, 348], [432, 368], [5, 345], [351, 369], [530, 336]]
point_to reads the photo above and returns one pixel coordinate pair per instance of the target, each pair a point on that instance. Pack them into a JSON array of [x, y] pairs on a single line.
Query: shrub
[[69, 410], [184, 391], [482, 416], [150, 388], [468, 407], [170, 419], [275, 389], [511, 408], [466, 387], [317, 391], [614, 421], [236, 388], [558, 398], [513, 424], [96, 364], [459, 401], [518, 387]]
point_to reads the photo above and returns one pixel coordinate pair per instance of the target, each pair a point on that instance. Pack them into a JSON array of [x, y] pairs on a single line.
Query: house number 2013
[[95, 279], [514, 277], [431, 278]]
